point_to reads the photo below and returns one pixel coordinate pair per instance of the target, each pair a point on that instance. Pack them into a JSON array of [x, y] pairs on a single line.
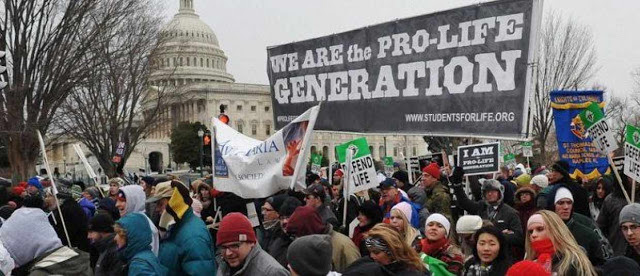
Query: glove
[[456, 177]]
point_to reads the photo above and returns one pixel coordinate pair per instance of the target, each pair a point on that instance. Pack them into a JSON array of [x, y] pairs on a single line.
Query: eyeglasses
[[233, 247], [632, 227]]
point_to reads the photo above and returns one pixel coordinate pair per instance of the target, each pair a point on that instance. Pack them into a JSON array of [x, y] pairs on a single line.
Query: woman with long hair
[[600, 191], [436, 243], [389, 252], [369, 214], [550, 244], [399, 219], [490, 255]]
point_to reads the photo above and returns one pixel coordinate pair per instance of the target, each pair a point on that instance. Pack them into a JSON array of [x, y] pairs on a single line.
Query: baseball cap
[[163, 190]]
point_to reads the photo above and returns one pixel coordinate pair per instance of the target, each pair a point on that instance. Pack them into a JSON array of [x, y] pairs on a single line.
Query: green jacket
[[438, 200], [188, 250]]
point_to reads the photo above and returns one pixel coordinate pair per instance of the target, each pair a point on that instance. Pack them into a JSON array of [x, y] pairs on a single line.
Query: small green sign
[[360, 146], [509, 157], [591, 115], [316, 159], [388, 161], [633, 136], [527, 144]]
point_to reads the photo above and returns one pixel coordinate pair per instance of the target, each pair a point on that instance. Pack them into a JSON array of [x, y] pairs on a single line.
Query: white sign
[[252, 168], [602, 137]]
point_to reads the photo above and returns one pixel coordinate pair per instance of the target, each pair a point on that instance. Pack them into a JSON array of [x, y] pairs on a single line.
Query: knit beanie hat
[[93, 191], [235, 227], [621, 265], [17, 190], [527, 268], [311, 255], [34, 181], [289, 206], [439, 219], [405, 208], [630, 213], [305, 221], [540, 180], [276, 201], [562, 167], [101, 222], [432, 169], [468, 224], [149, 180], [562, 193], [402, 176]]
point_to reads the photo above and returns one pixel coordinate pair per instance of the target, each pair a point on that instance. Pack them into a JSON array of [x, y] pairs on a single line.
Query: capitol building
[[191, 59]]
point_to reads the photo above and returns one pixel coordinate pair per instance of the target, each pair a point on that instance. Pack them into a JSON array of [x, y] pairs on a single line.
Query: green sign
[[316, 163], [527, 144], [388, 161], [632, 153], [633, 136], [591, 115], [595, 124], [362, 174], [510, 161], [360, 146], [527, 149]]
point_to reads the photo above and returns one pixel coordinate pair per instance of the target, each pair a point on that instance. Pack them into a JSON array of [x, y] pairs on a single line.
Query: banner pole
[[330, 171], [347, 175], [633, 191], [214, 146], [306, 140], [619, 178]]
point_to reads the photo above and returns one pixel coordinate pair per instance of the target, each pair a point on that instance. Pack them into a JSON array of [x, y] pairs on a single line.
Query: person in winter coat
[[108, 206], [7, 264], [491, 208], [101, 236], [131, 199], [389, 255], [466, 227], [436, 243], [133, 239], [369, 214], [281, 240], [550, 244], [35, 248], [402, 180], [601, 190], [310, 256], [630, 227], [271, 219], [240, 254], [525, 205], [559, 174], [114, 186], [74, 218], [438, 197], [337, 206], [399, 219], [188, 249], [390, 196], [305, 220], [490, 255], [583, 229], [610, 213], [316, 197]]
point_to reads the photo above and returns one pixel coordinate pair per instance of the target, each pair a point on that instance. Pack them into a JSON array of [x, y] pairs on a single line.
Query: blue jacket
[[137, 252], [188, 250], [88, 207]]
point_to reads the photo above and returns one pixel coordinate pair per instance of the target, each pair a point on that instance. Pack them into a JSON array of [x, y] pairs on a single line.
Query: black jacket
[[76, 223], [588, 240], [608, 222], [108, 262], [365, 266]]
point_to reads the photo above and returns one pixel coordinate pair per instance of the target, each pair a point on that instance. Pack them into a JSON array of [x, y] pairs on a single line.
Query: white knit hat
[[439, 219], [405, 208], [540, 180], [468, 224], [562, 193]]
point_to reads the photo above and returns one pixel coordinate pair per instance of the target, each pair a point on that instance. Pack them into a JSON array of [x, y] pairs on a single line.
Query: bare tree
[[116, 103], [566, 60], [46, 43]]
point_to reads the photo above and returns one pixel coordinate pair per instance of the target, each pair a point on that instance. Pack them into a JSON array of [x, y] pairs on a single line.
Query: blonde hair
[[401, 251], [567, 249], [408, 233]]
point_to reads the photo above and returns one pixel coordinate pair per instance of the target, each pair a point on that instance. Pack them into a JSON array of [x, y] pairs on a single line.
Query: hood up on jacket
[[492, 184], [138, 234], [7, 264], [28, 235], [135, 198]]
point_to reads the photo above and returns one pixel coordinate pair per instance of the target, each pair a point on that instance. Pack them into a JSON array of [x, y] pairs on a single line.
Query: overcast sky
[[245, 28]]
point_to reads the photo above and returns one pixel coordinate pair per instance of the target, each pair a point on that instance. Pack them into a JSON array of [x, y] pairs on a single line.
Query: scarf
[[545, 250], [377, 244], [431, 248]]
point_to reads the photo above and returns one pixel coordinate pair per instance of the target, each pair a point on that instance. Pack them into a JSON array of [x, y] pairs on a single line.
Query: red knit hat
[[235, 227], [433, 169], [528, 268], [17, 190], [304, 221]]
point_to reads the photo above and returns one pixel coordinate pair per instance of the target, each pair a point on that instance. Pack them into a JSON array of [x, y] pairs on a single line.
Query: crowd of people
[[523, 221]]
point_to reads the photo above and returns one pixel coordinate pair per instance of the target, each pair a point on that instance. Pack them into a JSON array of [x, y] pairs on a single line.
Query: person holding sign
[[316, 198]]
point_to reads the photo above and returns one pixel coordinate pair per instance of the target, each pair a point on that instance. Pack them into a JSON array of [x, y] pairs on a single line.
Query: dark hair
[[607, 185], [502, 262], [372, 211]]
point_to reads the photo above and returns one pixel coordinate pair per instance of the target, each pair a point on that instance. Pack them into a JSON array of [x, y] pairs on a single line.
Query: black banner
[[451, 73], [479, 159]]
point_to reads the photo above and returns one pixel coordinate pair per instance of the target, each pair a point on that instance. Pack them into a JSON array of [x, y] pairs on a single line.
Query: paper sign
[[361, 169]]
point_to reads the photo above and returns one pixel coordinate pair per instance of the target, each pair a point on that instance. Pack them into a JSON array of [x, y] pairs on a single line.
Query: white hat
[[439, 219], [405, 209], [540, 180], [562, 193], [468, 224]]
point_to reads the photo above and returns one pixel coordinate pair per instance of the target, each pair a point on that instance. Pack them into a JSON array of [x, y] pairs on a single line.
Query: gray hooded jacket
[[136, 199]]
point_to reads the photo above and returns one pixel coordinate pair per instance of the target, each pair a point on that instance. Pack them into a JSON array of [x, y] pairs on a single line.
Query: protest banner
[[316, 163], [632, 156], [574, 146], [527, 149], [416, 75], [510, 161], [388, 165], [595, 124], [360, 171], [251, 168], [479, 158]]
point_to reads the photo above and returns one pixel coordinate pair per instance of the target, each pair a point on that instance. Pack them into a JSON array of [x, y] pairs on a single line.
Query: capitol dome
[[188, 51]]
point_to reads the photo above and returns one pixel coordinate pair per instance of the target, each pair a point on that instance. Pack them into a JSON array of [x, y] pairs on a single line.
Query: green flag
[[361, 146], [633, 136], [591, 115]]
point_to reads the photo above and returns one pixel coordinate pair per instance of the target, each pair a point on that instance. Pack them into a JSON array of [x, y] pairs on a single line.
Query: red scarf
[[432, 247], [545, 251]]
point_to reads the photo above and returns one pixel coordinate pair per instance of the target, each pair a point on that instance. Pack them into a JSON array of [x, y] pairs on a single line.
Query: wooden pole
[[633, 191], [619, 178], [345, 182]]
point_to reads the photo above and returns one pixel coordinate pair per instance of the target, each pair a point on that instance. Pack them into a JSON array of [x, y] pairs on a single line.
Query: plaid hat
[[163, 190], [387, 184]]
